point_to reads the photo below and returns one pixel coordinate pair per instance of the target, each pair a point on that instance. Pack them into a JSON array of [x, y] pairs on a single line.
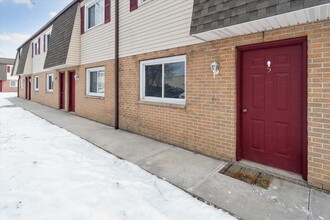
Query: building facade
[[149, 72], [8, 83]]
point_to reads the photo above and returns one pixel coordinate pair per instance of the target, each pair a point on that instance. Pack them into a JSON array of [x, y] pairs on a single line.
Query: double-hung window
[[94, 14], [13, 83], [95, 81], [163, 80], [36, 48], [36, 83], [47, 36], [49, 82], [22, 84]]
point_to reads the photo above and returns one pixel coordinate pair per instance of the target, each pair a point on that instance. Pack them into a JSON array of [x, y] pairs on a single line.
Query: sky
[[19, 19]]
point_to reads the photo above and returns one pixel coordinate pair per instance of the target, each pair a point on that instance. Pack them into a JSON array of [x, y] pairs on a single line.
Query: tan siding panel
[[74, 49]]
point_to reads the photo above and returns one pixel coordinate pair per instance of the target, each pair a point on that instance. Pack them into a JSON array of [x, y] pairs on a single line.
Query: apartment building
[[8, 83], [236, 80]]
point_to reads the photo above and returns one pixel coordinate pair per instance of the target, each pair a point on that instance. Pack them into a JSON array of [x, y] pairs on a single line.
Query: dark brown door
[[71, 91], [26, 87], [29, 88], [0, 85], [272, 107], [62, 90]]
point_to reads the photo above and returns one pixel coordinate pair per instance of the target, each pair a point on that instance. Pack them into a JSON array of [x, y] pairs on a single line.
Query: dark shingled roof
[[7, 61], [214, 14], [22, 59], [60, 38]]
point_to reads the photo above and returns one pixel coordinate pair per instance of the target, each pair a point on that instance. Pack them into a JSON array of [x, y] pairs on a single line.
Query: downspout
[[116, 64]]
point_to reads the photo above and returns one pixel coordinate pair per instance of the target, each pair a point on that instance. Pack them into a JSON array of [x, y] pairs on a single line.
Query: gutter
[[49, 23], [116, 64]]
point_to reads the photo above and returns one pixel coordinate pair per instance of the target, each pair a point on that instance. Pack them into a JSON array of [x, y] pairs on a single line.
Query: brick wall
[[207, 124], [100, 109], [43, 96], [6, 87]]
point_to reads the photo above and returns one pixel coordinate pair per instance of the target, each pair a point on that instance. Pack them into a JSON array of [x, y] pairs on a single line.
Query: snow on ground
[[4, 95], [49, 173]]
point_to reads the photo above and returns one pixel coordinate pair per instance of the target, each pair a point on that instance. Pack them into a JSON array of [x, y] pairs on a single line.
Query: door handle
[[244, 110]]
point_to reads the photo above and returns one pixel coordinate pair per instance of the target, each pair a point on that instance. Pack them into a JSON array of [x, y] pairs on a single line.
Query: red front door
[[272, 106], [26, 87], [72, 92], [29, 87], [62, 90]]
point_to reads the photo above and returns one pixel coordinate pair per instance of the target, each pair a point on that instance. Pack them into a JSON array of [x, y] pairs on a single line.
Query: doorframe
[[267, 45]]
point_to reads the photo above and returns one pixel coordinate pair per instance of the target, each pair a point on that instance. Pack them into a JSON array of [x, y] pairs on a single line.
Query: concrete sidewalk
[[194, 173]]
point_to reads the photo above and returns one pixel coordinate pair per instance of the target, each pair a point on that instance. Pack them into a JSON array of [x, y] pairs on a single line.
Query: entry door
[[72, 92], [0, 85], [26, 87], [62, 90], [272, 107], [29, 88]]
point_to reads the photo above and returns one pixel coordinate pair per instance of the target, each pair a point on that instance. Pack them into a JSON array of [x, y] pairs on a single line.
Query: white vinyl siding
[[168, 29], [39, 60], [97, 44]]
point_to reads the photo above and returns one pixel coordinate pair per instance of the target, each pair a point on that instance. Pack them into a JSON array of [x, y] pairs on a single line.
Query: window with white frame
[[50, 82], [94, 14], [47, 41], [163, 80], [36, 47], [95, 81], [22, 83], [13, 83], [36, 83]]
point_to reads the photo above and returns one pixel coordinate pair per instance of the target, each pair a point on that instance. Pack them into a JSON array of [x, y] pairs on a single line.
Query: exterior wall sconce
[[30, 80], [76, 77], [215, 69]]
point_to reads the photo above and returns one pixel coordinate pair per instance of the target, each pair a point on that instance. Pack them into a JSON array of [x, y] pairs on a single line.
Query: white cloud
[[29, 3], [52, 14], [13, 38], [10, 42]]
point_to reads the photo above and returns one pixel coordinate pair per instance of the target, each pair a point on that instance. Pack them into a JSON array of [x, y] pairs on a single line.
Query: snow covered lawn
[[4, 95], [49, 173]]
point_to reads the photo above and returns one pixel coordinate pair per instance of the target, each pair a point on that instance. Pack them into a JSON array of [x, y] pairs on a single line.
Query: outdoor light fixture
[[30, 80], [76, 77], [215, 69]]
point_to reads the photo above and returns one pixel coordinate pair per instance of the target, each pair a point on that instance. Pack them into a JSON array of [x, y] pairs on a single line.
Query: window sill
[[143, 3], [94, 97], [92, 28], [50, 92], [36, 90], [172, 105]]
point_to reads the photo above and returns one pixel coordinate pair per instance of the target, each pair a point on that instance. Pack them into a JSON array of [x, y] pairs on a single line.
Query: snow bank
[[4, 95], [49, 173]]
